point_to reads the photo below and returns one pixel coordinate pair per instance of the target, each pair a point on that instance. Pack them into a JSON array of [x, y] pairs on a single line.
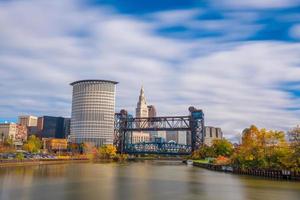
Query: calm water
[[138, 181]]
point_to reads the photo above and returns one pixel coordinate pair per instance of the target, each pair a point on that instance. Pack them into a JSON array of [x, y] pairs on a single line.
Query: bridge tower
[[125, 124]]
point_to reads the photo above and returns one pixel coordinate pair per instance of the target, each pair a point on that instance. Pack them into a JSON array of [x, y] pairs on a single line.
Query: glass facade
[[93, 109], [53, 127]]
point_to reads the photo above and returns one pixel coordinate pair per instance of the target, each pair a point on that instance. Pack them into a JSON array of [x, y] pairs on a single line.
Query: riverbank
[[13, 163], [272, 174]]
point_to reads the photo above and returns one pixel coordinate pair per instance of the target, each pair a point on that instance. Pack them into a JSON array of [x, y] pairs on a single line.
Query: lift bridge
[[125, 124]]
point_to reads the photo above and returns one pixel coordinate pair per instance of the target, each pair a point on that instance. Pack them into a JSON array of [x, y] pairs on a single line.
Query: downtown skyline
[[238, 61]]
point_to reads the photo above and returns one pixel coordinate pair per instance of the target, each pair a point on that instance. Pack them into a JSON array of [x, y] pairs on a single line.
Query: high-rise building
[[53, 127], [142, 108], [28, 120], [93, 108]]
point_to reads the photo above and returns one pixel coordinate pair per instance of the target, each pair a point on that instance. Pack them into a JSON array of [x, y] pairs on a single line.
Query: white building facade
[[28, 120], [93, 109]]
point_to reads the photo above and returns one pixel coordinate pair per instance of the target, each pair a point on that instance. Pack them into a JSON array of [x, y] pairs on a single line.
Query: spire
[[142, 99], [142, 93]]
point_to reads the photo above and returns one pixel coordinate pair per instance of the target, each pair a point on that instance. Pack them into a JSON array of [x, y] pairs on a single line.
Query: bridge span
[[125, 124]]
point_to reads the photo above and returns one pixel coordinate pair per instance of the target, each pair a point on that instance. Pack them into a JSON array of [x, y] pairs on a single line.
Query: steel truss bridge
[[125, 124]]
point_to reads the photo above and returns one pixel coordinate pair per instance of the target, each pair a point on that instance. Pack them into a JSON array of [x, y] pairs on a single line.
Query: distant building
[[171, 136], [53, 127], [151, 111], [158, 134], [188, 138], [212, 133], [142, 108], [21, 133], [181, 135], [13, 131], [8, 131], [138, 137], [28, 120]]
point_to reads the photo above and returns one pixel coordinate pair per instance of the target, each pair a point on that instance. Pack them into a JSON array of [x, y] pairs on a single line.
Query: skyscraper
[[93, 108], [142, 108]]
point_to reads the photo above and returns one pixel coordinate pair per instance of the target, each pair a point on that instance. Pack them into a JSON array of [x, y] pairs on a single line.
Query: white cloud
[[295, 31], [256, 4], [47, 45]]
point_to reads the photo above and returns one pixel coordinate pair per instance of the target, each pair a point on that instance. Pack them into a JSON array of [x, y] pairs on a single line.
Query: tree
[[294, 134], [222, 147], [204, 152], [33, 144], [107, 152], [262, 149]]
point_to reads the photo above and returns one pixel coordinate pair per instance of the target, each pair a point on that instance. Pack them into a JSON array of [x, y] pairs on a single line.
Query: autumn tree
[[33, 144], [262, 148], [222, 147], [294, 134], [107, 152]]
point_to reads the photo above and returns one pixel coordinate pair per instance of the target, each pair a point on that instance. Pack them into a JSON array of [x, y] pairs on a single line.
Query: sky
[[239, 61]]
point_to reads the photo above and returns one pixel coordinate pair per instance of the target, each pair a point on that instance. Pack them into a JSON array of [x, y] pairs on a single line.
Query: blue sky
[[237, 60]]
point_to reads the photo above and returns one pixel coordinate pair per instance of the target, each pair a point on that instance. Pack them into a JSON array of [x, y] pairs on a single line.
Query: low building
[[54, 144], [138, 137], [8, 131], [16, 132]]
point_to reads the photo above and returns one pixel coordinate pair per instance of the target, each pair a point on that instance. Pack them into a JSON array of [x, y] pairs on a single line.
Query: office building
[[93, 109], [53, 127], [28, 120], [212, 133]]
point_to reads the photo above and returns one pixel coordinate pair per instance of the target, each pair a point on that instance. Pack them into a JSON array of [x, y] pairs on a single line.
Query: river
[[167, 180]]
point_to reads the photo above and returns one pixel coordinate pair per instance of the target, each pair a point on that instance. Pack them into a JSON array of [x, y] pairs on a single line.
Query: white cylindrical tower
[[93, 109]]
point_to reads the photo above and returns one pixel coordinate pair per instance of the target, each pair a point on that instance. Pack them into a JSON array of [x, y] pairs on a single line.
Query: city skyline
[[238, 61]]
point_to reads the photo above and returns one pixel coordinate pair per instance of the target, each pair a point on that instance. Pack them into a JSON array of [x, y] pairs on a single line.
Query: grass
[[201, 161]]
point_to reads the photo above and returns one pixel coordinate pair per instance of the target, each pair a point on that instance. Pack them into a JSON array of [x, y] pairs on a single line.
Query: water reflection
[[141, 180]]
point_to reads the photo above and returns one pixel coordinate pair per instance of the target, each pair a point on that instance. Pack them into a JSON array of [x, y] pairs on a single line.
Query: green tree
[[222, 147], [204, 152]]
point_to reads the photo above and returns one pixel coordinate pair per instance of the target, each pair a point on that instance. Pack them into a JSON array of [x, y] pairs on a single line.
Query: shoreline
[[270, 174], [14, 163]]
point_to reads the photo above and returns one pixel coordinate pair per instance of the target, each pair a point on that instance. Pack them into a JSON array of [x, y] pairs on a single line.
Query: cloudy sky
[[237, 60]]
